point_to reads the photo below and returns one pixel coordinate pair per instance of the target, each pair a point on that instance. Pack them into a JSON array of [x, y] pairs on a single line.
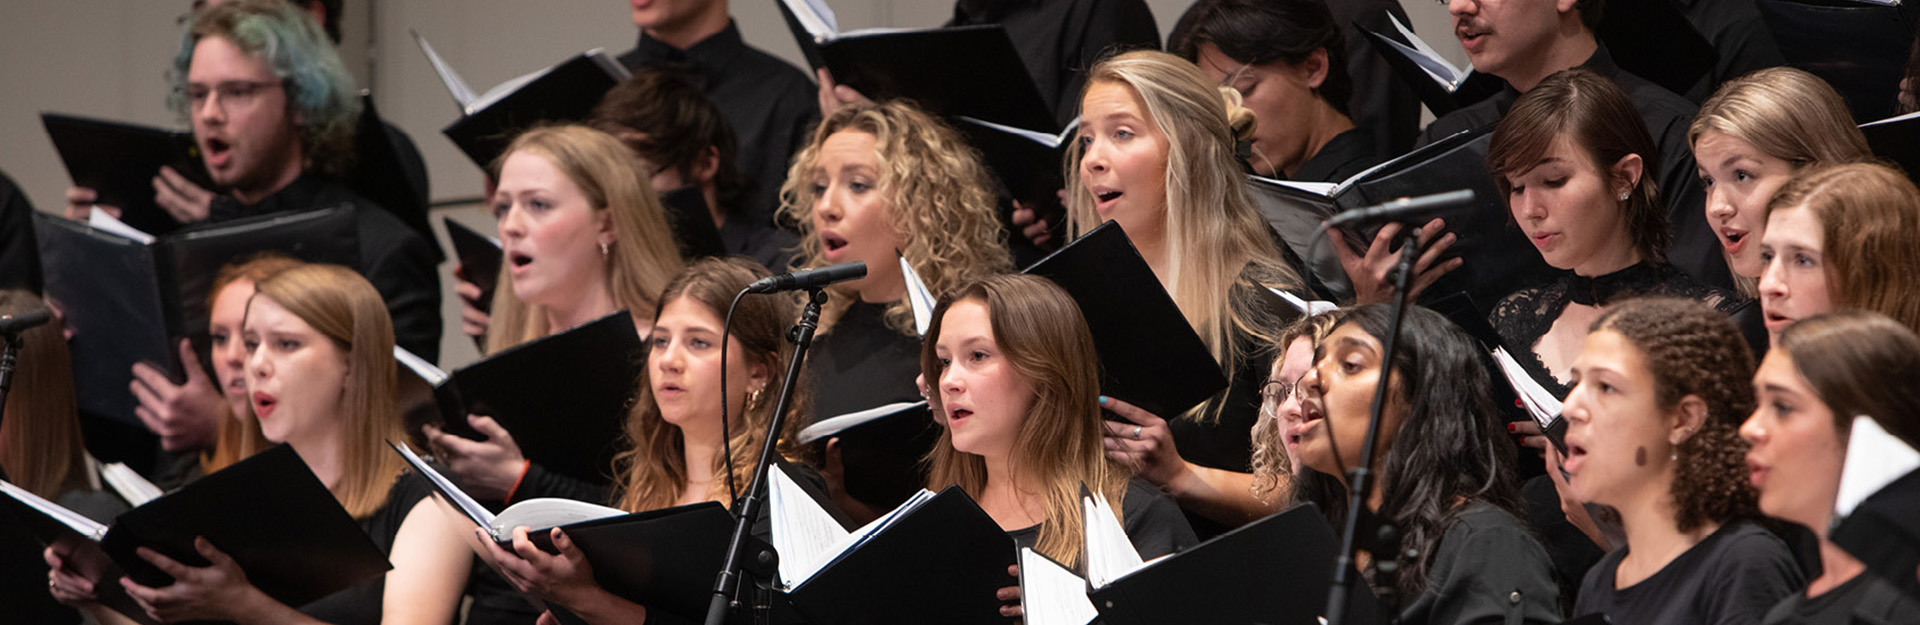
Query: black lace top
[[1524, 316]]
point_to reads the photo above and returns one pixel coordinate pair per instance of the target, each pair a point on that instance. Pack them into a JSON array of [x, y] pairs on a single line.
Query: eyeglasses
[[233, 93], [1275, 392]]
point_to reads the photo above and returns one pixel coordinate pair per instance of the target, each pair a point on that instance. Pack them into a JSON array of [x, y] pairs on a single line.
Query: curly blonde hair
[[943, 209], [1271, 468], [1216, 239]]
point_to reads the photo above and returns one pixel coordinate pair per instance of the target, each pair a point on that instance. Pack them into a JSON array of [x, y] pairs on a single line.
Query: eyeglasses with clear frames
[[233, 93], [1275, 392]]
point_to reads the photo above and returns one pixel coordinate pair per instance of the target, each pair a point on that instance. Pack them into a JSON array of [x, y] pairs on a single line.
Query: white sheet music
[[1110, 554], [1050, 594], [1874, 458]]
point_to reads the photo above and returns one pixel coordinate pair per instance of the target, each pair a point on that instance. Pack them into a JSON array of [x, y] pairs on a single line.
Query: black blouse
[[1866, 599], [1730, 578], [862, 363], [1153, 522], [363, 602], [1523, 317], [1488, 568]]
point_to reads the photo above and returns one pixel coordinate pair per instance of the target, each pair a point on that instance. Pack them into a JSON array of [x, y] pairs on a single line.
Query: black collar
[[1598, 290], [301, 194], [709, 58]]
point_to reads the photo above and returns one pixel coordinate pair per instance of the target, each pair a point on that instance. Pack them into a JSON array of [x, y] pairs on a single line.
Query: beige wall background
[[109, 59]]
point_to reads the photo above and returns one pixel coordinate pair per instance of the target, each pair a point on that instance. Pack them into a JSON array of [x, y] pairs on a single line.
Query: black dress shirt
[[1344, 156], [1738, 33], [1732, 577], [771, 105], [19, 254], [1667, 116], [1382, 102], [393, 257], [1061, 39]]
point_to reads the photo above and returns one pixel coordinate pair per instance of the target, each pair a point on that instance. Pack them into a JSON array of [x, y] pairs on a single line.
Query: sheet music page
[[1110, 554], [803, 533], [459, 498], [80, 523], [1050, 594], [100, 220], [1874, 459], [457, 87], [1539, 402], [918, 296], [133, 488]]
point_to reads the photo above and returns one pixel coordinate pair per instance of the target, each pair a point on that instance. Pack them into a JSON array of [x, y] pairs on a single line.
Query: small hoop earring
[[606, 250], [753, 398]]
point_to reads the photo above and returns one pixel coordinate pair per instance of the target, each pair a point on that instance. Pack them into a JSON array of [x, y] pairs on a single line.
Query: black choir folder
[[489, 121], [664, 559], [563, 397], [1030, 163], [1499, 258], [268, 512], [1896, 140], [880, 449], [1857, 46], [480, 259], [1441, 86], [119, 160], [938, 558], [130, 297], [1149, 355], [966, 70]]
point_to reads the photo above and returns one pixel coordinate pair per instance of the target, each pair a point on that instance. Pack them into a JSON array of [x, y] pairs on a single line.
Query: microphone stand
[[748, 508], [1360, 479]]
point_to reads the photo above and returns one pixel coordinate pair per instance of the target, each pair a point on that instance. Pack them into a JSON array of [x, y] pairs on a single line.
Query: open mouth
[[958, 414], [217, 150], [263, 404], [519, 259], [832, 242], [1108, 196]]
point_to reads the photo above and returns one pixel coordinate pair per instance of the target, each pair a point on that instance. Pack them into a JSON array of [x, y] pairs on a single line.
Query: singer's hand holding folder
[[268, 512], [563, 397], [938, 558]]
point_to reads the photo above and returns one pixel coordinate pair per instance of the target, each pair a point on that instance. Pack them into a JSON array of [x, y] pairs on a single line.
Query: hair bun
[[1239, 118]]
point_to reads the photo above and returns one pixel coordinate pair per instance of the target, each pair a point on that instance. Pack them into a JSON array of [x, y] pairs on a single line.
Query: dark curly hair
[[1450, 447], [1692, 349]]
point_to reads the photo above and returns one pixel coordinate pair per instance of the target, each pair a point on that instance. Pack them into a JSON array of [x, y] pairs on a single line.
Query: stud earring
[[605, 249], [1624, 195]]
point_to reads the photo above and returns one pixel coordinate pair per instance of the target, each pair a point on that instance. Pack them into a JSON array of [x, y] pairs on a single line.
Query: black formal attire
[[1738, 33], [862, 363], [1732, 577], [1667, 116], [1152, 520], [393, 257], [1059, 40], [1382, 101], [762, 241], [1864, 600], [364, 602], [1486, 568], [19, 254], [1344, 156], [771, 106], [1884, 533]]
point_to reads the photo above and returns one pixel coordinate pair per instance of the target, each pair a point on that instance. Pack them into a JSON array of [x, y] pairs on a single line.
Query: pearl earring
[[1624, 195], [606, 250]]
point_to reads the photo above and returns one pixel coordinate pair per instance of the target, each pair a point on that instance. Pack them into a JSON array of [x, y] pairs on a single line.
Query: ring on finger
[[1136, 432]]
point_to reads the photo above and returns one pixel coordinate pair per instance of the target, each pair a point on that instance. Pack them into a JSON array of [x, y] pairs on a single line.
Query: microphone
[[15, 324], [1403, 209], [809, 278]]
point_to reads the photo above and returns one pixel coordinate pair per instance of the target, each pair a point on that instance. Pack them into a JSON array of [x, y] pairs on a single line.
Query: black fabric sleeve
[[1154, 523], [401, 266], [539, 482], [1756, 572], [19, 254], [1488, 573]]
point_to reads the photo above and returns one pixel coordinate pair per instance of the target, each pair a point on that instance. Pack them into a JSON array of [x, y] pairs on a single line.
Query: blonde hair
[[1271, 468], [1787, 114], [345, 308], [1869, 219], [943, 210], [1043, 336], [653, 472], [643, 255], [238, 436], [1214, 234], [42, 449]]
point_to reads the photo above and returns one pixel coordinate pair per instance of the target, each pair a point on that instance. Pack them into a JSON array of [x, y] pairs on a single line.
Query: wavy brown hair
[[653, 469], [1859, 363], [1060, 442], [238, 436], [1596, 118], [1215, 237], [643, 255], [1869, 220], [1691, 349], [943, 211], [40, 445]]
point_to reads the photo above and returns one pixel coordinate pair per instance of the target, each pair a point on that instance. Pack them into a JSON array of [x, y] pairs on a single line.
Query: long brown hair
[[1692, 349], [41, 447], [643, 255], [1214, 234], [1869, 220], [943, 208], [1597, 118], [1043, 336], [1859, 363], [345, 308], [238, 436], [653, 472]]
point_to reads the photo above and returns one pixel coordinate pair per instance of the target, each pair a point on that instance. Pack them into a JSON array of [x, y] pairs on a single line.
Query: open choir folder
[[480, 259], [1896, 140], [268, 512], [880, 449], [1030, 163], [129, 296], [1441, 86], [664, 559], [489, 121], [964, 70], [118, 161], [1149, 355], [938, 558], [563, 397], [1499, 258]]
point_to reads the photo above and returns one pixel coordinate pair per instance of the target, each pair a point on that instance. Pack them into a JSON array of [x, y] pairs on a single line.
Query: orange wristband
[[524, 466]]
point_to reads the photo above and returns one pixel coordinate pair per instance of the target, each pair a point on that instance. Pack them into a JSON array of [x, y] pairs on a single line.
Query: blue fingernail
[[1103, 399]]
